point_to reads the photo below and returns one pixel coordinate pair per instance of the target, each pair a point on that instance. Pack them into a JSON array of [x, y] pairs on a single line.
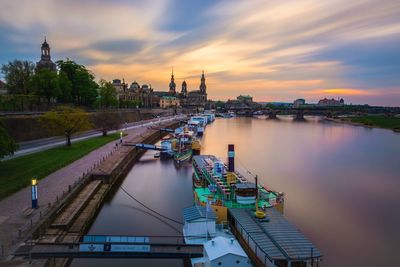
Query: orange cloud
[[339, 91]]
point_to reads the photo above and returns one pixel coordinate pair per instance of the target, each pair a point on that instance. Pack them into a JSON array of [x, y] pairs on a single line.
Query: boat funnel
[[231, 158]]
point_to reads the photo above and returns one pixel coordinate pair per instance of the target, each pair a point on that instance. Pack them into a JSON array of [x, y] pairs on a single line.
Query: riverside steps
[[70, 218]]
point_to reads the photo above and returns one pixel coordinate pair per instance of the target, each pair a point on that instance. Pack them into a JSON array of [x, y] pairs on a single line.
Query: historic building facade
[[196, 98], [151, 98], [330, 102], [169, 102], [45, 58], [141, 94]]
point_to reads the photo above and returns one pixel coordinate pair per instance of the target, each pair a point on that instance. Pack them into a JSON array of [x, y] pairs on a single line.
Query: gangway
[[110, 247], [147, 146]]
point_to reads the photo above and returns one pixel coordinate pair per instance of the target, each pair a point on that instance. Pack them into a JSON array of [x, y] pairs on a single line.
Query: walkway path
[[15, 212]]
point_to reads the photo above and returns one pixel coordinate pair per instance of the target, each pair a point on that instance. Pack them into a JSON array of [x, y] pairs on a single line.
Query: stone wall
[[27, 127]]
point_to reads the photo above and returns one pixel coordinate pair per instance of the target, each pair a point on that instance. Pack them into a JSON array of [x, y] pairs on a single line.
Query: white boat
[[202, 122]]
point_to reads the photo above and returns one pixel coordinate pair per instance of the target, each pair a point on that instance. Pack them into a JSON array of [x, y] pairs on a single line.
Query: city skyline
[[273, 51]]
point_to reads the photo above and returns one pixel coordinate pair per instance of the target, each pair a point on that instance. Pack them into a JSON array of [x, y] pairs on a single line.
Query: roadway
[[38, 145]]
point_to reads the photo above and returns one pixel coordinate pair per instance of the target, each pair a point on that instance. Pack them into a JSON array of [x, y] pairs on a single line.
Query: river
[[341, 184]]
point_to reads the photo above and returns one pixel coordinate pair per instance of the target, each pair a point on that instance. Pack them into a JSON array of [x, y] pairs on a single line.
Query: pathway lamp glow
[[120, 136], [34, 193]]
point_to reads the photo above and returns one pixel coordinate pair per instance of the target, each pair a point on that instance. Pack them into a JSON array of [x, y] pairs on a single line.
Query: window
[[238, 261], [219, 263]]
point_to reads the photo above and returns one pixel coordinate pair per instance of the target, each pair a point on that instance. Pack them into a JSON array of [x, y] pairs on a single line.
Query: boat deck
[[203, 168]]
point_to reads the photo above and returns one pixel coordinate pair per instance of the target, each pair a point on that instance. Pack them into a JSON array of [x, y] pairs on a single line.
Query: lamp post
[[34, 193], [120, 137]]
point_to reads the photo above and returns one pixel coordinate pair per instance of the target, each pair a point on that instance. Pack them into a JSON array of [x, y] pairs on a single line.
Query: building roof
[[161, 93], [2, 84], [274, 235], [198, 212], [221, 246]]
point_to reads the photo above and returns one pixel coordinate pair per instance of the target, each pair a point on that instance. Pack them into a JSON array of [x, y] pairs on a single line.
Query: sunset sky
[[274, 50]]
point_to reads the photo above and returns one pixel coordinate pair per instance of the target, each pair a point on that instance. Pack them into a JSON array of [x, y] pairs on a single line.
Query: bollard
[[31, 224], [19, 233], [40, 214], [2, 250]]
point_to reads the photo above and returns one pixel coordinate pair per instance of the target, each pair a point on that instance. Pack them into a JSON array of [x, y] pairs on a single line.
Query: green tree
[[83, 86], [108, 94], [270, 106], [66, 120], [17, 74], [7, 144], [65, 88], [46, 83], [107, 121]]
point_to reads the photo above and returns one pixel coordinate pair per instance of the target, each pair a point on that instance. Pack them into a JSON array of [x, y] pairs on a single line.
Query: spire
[[203, 86], [172, 85]]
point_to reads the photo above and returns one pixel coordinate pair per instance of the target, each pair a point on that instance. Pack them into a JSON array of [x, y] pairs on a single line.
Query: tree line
[[73, 84]]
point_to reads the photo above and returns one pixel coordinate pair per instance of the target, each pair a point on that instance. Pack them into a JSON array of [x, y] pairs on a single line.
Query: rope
[[159, 214], [158, 218]]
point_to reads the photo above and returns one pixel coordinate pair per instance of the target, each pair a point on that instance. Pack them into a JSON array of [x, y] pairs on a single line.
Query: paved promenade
[[15, 212]]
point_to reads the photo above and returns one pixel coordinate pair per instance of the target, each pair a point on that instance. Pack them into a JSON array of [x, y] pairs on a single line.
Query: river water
[[341, 184]]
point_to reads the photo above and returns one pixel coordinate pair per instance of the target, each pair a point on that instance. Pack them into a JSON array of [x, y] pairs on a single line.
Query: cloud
[[270, 49], [340, 92]]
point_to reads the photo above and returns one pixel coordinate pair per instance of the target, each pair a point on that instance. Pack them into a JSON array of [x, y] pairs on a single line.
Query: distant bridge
[[300, 112]]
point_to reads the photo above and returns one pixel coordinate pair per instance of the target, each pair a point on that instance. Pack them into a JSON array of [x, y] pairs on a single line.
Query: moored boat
[[221, 185], [182, 156]]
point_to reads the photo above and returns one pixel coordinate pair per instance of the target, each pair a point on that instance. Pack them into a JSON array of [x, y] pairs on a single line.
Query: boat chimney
[[231, 158], [212, 242], [231, 241]]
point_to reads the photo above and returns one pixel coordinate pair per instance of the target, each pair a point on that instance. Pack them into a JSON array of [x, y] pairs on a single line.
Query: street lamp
[[34, 193], [120, 137]]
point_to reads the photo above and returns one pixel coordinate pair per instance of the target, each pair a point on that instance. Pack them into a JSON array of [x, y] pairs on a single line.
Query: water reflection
[[341, 183]]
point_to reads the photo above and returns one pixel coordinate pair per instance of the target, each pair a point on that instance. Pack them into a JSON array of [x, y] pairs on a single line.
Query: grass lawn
[[17, 173], [379, 121]]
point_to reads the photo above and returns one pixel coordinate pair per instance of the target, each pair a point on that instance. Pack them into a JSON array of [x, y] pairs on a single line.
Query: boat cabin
[[199, 224], [245, 193]]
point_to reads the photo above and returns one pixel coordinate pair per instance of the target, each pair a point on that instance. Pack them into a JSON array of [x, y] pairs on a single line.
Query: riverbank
[[391, 123], [17, 173], [17, 219]]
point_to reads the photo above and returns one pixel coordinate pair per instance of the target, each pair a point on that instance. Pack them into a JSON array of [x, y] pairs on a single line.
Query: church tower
[[203, 86], [45, 58], [184, 89], [45, 50], [172, 85]]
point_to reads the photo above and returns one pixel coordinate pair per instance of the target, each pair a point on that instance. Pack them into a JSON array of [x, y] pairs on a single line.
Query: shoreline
[[349, 122]]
